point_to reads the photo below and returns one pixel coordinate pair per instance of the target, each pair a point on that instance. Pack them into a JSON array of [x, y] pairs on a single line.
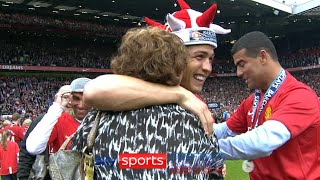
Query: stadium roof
[[274, 17], [294, 6]]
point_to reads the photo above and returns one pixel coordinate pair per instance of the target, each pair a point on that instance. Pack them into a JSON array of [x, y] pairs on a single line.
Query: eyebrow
[[204, 52], [239, 62]]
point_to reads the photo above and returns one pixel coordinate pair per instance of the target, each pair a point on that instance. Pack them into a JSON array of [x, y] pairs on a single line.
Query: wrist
[[181, 94]]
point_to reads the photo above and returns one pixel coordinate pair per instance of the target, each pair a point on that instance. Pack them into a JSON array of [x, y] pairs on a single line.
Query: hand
[[199, 108], [62, 99], [224, 170]]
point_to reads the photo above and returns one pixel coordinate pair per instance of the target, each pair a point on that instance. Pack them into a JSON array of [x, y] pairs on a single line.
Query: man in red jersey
[[277, 128], [57, 125], [16, 130]]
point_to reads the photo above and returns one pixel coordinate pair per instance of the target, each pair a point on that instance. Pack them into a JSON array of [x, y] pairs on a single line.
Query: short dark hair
[[15, 116], [253, 43]]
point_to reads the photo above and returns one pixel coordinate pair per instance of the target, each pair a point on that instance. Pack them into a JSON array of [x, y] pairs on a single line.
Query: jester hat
[[191, 26]]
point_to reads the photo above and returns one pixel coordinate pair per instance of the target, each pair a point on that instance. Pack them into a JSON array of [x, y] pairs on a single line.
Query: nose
[[239, 73], [69, 104], [207, 65], [81, 104]]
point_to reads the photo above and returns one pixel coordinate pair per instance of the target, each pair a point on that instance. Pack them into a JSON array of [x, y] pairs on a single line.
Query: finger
[[204, 123], [224, 170], [209, 119]]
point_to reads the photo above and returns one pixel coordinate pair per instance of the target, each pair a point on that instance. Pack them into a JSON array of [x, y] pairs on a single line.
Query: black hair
[[253, 43]]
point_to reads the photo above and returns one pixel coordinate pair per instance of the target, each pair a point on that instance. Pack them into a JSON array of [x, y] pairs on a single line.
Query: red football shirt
[[17, 131], [297, 107], [65, 127], [9, 158]]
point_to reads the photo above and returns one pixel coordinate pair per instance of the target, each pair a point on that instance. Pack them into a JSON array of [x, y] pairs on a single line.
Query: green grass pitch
[[235, 172]]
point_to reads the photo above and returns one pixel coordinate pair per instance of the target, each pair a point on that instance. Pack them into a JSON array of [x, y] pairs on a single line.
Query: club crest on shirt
[[268, 113]]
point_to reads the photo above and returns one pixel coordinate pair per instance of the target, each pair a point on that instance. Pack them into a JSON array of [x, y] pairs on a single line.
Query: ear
[[263, 56]]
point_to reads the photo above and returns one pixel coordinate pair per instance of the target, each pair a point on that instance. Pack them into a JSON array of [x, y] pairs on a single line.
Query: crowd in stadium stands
[[306, 57], [32, 96], [28, 96], [42, 53], [61, 24], [45, 54]]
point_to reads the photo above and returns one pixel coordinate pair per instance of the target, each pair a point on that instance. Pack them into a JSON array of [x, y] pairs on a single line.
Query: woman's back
[[168, 130]]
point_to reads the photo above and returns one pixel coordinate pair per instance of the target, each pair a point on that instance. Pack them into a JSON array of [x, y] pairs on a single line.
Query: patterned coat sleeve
[[79, 140]]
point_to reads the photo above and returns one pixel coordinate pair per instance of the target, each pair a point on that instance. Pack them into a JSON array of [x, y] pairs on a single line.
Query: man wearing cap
[[117, 92], [26, 159], [56, 125]]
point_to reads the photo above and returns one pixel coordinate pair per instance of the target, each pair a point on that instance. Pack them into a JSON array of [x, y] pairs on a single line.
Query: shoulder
[[247, 103], [65, 117], [38, 119], [87, 122], [297, 91], [291, 83], [164, 111], [13, 144]]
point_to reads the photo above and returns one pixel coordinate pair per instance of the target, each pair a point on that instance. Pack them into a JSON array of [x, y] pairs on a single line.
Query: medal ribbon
[[272, 89]]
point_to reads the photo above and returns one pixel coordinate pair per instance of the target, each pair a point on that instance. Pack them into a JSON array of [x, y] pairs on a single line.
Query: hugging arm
[[120, 93]]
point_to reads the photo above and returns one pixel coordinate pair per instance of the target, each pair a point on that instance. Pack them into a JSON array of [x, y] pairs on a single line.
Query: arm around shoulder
[[120, 92]]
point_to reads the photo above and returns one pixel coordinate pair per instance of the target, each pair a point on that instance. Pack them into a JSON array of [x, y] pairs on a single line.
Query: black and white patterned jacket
[[167, 129]]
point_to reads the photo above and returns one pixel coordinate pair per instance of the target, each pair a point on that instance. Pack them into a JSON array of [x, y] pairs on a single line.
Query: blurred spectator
[[26, 123], [9, 152], [15, 129]]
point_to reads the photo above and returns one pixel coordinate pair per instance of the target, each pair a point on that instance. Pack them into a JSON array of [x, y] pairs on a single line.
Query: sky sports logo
[[176, 162], [134, 161], [142, 161]]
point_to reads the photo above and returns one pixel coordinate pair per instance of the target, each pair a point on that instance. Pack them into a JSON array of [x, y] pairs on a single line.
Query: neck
[[77, 120], [270, 76]]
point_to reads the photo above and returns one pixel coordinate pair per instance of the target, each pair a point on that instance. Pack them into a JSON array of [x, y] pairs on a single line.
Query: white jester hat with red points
[[191, 26]]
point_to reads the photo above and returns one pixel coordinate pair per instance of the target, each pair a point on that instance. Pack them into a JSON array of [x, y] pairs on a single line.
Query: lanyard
[[272, 89]]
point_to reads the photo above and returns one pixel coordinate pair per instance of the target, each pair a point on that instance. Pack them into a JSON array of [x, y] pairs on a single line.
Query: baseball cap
[[78, 84]]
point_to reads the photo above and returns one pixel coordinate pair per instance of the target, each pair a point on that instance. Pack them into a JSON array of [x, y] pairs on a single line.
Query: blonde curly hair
[[151, 54]]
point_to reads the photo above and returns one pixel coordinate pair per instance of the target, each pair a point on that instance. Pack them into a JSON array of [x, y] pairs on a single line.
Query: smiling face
[[250, 69], [198, 68], [78, 106]]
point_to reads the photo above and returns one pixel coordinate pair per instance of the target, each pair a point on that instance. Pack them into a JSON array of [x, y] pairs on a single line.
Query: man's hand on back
[[192, 103]]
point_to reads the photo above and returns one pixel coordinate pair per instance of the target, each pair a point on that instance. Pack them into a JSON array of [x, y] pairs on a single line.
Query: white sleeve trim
[[259, 142], [38, 139], [222, 131]]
